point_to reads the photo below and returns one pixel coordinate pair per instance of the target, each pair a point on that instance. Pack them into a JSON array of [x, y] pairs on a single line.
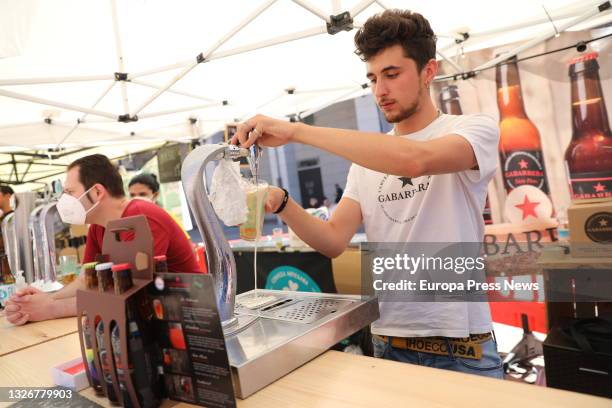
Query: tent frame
[[333, 24]]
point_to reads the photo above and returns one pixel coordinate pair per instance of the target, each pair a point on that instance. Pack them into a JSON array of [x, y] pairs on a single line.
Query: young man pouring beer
[[446, 161]]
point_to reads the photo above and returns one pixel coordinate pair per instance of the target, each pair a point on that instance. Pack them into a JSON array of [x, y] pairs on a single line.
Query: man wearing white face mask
[[93, 194]]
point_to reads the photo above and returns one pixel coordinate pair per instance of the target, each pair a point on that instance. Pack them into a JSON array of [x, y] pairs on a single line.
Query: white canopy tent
[[123, 76]]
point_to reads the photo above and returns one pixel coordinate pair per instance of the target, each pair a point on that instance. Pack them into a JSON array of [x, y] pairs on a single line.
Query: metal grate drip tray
[[305, 310], [289, 329]]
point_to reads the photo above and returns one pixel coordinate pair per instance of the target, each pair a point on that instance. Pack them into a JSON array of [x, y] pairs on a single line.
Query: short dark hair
[[148, 179], [397, 27], [4, 189], [98, 169]]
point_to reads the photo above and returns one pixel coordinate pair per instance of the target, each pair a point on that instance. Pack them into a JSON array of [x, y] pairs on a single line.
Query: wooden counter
[[14, 338], [332, 380]]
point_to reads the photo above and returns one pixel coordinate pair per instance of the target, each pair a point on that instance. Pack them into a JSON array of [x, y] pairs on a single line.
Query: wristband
[[284, 203]]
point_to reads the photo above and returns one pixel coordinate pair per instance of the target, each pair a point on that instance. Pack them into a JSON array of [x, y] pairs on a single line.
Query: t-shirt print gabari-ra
[[437, 208]]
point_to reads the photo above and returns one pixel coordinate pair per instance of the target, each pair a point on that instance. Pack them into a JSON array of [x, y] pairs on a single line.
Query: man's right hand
[[29, 304]]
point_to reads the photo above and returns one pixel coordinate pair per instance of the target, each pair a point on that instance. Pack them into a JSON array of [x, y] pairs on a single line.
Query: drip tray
[[288, 329], [307, 310]]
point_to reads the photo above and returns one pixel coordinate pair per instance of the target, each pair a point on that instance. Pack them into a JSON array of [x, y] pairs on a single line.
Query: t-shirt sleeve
[[161, 240], [92, 246], [482, 132], [351, 191]]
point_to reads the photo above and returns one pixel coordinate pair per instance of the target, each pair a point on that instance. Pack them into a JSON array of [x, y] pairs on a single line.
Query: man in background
[[6, 193], [93, 194]]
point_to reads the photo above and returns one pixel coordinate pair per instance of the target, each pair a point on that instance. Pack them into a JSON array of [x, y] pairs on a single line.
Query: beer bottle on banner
[[588, 157], [449, 104], [520, 149]]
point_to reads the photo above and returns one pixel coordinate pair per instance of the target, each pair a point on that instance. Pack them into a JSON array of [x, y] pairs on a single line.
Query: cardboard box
[[590, 226], [71, 374]]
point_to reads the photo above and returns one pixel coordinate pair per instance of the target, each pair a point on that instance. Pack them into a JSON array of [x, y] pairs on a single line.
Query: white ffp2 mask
[[71, 210]]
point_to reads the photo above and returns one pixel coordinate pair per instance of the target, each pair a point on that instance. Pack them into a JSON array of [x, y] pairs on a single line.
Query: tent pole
[[61, 105], [120, 61], [55, 80], [239, 27], [364, 4], [313, 9], [274, 98], [19, 125], [173, 91], [165, 87], [549, 33], [518, 26], [323, 90], [450, 61], [336, 6], [447, 46], [382, 4], [87, 120], [157, 70], [238, 50], [569, 11], [186, 109], [267, 43], [204, 56], [76, 125]]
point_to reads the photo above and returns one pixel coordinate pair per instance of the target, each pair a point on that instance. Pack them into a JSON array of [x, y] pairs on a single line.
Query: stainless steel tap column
[[219, 256]]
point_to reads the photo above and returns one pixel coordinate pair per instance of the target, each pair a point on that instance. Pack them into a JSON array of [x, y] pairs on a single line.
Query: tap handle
[[255, 151], [233, 152]]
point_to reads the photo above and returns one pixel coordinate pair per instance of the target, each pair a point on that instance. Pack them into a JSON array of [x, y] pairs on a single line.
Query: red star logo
[[523, 164], [599, 188], [528, 208]]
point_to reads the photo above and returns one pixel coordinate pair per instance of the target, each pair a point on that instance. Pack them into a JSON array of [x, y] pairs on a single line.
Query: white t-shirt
[[439, 208]]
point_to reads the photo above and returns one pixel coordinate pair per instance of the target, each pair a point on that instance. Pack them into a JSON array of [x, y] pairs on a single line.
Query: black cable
[[471, 74]]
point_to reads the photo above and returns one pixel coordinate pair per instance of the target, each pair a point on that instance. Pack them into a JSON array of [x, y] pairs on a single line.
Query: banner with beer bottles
[[550, 101]]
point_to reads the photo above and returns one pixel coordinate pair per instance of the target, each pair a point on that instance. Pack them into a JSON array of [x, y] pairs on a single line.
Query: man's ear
[[99, 191], [430, 70]]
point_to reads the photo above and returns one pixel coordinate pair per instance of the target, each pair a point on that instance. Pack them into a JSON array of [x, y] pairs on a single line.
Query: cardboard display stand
[[129, 240], [137, 249]]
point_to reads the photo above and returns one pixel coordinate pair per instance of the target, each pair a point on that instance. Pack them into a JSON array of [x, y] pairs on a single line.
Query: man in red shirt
[[93, 194]]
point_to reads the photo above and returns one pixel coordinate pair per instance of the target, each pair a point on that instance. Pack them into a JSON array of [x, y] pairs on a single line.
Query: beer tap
[[219, 256], [255, 155]]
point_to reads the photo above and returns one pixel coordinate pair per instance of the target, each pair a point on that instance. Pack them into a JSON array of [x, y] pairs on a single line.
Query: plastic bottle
[[20, 282]]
